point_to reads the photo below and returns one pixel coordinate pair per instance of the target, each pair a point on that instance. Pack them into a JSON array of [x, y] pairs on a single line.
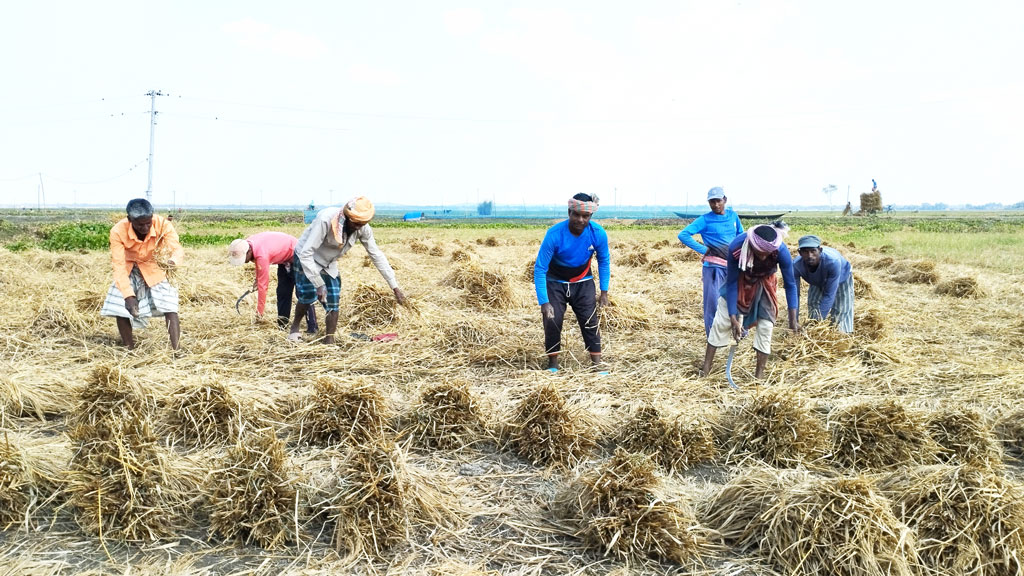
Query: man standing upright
[[717, 229], [829, 279], [562, 275], [140, 289]]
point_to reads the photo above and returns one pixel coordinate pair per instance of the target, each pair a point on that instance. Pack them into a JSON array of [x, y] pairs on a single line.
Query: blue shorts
[[306, 292]]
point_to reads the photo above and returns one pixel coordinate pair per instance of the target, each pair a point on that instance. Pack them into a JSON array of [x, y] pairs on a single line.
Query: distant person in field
[[141, 289], [717, 229], [330, 236], [265, 249], [562, 275], [748, 297], [829, 279]]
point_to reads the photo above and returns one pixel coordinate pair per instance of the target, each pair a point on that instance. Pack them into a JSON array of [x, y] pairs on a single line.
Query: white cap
[[237, 251]]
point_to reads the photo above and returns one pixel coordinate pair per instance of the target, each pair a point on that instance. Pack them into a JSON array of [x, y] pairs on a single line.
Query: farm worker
[[829, 279], [331, 234], [716, 228], [748, 297], [562, 274], [264, 249], [141, 289]]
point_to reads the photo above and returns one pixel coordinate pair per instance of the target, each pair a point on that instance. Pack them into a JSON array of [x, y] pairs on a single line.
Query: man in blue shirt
[[716, 228], [748, 297], [562, 275], [829, 279]]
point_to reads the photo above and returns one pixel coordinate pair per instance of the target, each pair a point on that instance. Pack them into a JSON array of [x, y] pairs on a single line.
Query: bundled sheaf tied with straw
[[862, 289], [15, 485], [625, 312], [252, 499], [206, 413], [737, 510], [485, 289], [962, 287], [461, 256], [661, 265], [120, 485], [622, 508], [545, 431], [879, 435], [778, 426], [964, 436], [969, 520], [448, 416], [375, 306], [418, 247], [528, 270], [660, 244], [437, 251], [339, 413], [675, 444], [840, 526], [919, 272]]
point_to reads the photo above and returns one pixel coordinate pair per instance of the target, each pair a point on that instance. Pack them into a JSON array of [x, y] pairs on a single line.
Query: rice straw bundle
[[675, 445], [883, 262], [544, 431], [622, 508], [112, 404], [969, 520], [252, 498], [964, 437], [461, 256], [686, 255], [962, 287], [205, 414], [635, 259], [840, 526], [879, 435], [870, 324], [920, 272], [818, 339], [661, 265], [778, 426], [22, 395], [862, 289], [58, 319], [15, 487], [375, 306], [437, 251], [448, 417], [491, 241], [418, 247], [356, 413], [528, 270], [737, 510], [625, 312], [484, 289], [1010, 430]]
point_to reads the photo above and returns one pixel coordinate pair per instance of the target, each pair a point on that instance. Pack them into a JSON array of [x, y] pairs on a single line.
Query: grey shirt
[[318, 250]]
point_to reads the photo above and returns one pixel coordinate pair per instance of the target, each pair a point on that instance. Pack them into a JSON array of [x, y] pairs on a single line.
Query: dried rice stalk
[[1010, 429], [676, 445], [862, 289], [661, 265], [963, 287], [964, 437], [622, 508], [461, 256], [920, 272], [778, 426], [484, 289], [448, 417], [544, 431], [437, 251], [375, 306], [879, 435], [969, 520], [15, 485], [625, 312], [635, 259], [356, 414], [870, 324], [737, 510], [418, 247], [206, 414]]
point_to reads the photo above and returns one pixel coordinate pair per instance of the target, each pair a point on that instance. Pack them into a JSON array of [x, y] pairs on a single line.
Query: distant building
[[412, 216]]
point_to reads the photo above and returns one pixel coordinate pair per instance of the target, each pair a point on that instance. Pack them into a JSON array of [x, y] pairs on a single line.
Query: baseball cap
[[715, 193], [237, 251], [809, 241]]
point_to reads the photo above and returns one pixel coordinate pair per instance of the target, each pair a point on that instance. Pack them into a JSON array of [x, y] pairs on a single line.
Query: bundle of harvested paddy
[[21, 396], [437, 251], [490, 241], [448, 417], [636, 258], [879, 435], [15, 486], [737, 510], [485, 289], [252, 498], [418, 247], [528, 270], [544, 431], [962, 287], [969, 520], [840, 526], [204, 414], [883, 263], [374, 306], [355, 413], [818, 338], [778, 426], [622, 508], [920, 272], [686, 255], [964, 437], [112, 403], [676, 444], [58, 320], [461, 256], [625, 312], [661, 265], [869, 324], [660, 244], [1009, 428], [862, 289]]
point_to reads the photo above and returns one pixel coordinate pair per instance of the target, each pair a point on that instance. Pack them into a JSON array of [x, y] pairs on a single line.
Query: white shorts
[[153, 300], [720, 334]]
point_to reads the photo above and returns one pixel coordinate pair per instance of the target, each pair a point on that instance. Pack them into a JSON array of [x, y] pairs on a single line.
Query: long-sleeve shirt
[[732, 275], [319, 250], [832, 271], [716, 231], [567, 257], [127, 250], [269, 248]]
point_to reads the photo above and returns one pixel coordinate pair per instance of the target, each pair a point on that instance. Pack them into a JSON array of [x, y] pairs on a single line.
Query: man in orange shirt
[[142, 247]]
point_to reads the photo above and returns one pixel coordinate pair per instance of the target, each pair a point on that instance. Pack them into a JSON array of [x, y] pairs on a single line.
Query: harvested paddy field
[[448, 450]]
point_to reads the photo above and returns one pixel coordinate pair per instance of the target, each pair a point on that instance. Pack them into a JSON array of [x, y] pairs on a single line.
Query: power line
[[122, 175]]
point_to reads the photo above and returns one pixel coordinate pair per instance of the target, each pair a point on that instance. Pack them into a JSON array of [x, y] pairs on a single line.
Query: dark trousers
[[583, 299], [285, 289]]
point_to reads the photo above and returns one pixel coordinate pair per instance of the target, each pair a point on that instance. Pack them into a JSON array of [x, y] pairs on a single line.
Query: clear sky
[[431, 102]]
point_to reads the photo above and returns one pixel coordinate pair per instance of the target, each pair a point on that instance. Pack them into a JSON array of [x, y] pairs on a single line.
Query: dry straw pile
[[675, 444], [205, 414], [339, 413], [778, 426], [373, 306], [962, 287], [964, 437], [484, 289], [544, 430], [879, 435], [622, 508], [15, 485], [448, 417]]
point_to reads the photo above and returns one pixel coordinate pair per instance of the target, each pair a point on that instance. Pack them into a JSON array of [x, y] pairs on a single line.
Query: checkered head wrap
[[582, 206]]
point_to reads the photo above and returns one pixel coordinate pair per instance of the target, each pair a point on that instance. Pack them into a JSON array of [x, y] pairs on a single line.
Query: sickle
[[728, 366], [239, 301]]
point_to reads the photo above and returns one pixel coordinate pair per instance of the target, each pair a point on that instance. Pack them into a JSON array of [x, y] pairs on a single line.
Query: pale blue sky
[[525, 102]]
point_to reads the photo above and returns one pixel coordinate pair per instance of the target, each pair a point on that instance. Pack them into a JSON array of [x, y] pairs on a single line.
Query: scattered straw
[[484, 289], [622, 508], [920, 272], [879, 435], [1010, 430], [675, 444], [862, 289], [418, 247], [544, 431], [963, 287], [15, 495], [661, 265], [437, 251], [625, 312], [635, 259], [737, 510], [870, 324]]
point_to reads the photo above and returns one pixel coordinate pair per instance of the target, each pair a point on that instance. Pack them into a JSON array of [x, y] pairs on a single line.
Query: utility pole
[[152, 132]]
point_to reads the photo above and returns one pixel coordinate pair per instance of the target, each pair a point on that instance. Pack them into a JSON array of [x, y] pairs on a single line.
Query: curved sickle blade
[[728, 366], [239, 301]]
